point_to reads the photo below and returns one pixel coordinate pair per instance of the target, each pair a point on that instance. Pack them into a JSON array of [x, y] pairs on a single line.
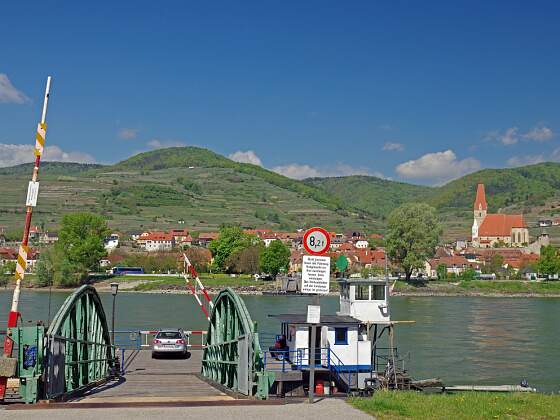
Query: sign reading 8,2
[[316, 241]]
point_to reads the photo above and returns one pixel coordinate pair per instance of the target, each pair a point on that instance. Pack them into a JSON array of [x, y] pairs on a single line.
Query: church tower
[[480, 210]]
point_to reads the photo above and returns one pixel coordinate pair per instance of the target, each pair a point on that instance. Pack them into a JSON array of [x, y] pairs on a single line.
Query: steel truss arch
[[79, 350], [232, 356]]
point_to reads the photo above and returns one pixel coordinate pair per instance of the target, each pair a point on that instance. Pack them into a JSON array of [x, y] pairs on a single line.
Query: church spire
[[480, 201]]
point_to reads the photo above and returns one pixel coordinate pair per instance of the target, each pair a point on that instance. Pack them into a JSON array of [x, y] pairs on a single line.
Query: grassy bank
[[479, 287], [473, 405], [209, 281]]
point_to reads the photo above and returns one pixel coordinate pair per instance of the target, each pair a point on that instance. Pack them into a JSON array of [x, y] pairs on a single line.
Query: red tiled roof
[[208, 236], [158, 236], [500, 224], [8, 253], [451, 261], [480, 201]]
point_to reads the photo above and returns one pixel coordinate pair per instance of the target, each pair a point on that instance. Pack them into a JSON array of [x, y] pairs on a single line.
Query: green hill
[[373, 195], [531, 190], [158, 189]]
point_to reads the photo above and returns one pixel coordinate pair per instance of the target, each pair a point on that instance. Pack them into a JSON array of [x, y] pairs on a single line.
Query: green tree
[[468, 274], [441, 271], [245, 261], [413, 234], [7, 271], [275, 258], [231, 240], [46, 268], [496, 265], [549, 261], [373, 271], [80, 239]]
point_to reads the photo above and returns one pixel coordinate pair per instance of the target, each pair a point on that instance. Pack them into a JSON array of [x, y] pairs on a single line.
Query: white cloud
[[128, 133], [525, 160], [8, 92], [162, 144], [299, 171], [439, 166], [539, 133], [391, 146], [507, 138], [246, 157], [534, 159], [14, 154]]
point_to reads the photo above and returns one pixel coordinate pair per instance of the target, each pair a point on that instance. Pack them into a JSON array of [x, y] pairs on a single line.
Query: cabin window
[[378, 292], [341, 336], [362, 292]]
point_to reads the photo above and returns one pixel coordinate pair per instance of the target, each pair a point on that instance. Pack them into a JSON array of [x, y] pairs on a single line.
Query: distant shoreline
[[258, 291]]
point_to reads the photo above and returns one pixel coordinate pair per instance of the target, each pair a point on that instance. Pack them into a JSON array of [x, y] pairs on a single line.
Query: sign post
[[315, 279]]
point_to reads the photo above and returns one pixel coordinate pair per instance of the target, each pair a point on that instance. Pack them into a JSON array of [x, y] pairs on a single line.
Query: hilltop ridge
[[162, 186]]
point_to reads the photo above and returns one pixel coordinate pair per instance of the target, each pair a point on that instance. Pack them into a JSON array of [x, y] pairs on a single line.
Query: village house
[[158, 241], [491, 229], [111, 242], [11, 254], [204, 239], [454, 264], [135, 235]]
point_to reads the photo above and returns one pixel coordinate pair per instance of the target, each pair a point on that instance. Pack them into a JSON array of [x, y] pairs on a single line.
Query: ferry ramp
[[169, 379]]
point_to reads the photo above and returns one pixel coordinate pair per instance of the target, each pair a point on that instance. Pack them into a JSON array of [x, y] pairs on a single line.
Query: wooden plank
[[161, 379]]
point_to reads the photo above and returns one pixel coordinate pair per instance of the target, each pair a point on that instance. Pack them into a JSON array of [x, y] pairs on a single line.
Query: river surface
[[462, 340]]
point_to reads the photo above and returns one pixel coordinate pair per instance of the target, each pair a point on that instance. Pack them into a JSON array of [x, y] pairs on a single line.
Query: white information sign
[[316, 274], [313, 314], [32, 194]]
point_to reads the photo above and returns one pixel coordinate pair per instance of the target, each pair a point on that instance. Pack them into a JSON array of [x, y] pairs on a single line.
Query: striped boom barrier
[[31, 202], [40, 139], [193, 288]]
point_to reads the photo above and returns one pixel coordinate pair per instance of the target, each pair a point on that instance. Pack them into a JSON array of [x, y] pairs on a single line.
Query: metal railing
[[128, 342], [287, 360]]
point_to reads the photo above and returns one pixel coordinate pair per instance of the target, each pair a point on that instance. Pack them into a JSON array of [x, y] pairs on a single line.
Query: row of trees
[[413, 234], [238, 252], [77, 252]]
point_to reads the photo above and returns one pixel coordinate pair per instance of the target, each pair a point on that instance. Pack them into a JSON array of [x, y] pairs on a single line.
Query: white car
[[172, 341]]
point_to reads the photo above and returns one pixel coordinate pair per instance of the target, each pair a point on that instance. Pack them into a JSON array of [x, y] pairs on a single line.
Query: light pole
[[114, 291]]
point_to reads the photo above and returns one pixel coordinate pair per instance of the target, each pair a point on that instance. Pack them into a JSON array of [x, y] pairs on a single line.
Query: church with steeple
[[490, 229]]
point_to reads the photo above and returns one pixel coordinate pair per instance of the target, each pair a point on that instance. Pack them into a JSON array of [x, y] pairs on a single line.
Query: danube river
[[462, 340]]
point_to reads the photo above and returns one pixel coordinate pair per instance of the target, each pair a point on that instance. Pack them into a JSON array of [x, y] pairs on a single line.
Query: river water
[[463, 340]]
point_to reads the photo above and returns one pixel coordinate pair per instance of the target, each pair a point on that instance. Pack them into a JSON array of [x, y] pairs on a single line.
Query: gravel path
[[326, 409]]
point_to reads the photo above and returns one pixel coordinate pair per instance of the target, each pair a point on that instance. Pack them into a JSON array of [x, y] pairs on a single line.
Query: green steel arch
[[79, 350], [232, 356]]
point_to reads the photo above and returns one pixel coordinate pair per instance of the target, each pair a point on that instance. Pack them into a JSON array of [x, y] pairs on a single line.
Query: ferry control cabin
[[344, 342]]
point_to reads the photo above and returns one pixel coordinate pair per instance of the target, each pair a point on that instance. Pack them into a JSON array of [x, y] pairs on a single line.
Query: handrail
[[327, 358], [285, 360], [336, 369]]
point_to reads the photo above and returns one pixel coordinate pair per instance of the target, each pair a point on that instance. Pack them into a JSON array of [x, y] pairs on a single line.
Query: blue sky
[[415, 91]]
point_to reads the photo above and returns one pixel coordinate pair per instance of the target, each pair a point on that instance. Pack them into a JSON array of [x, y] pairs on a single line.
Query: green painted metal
[[79, 350], [29, 343], [232, 356]]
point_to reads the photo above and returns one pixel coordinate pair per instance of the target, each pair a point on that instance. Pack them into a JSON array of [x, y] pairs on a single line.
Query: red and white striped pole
[[32, 193], [193, 288]]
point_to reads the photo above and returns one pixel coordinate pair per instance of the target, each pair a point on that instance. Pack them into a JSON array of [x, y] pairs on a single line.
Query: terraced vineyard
[[160, 188], [204, 197]]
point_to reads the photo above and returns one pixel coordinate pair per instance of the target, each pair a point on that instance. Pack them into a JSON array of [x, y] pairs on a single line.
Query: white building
[[112, 242], [361, 244], [157, 242]]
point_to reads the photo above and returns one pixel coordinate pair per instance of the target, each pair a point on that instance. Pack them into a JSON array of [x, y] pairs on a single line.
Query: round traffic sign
[[316, 241]]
